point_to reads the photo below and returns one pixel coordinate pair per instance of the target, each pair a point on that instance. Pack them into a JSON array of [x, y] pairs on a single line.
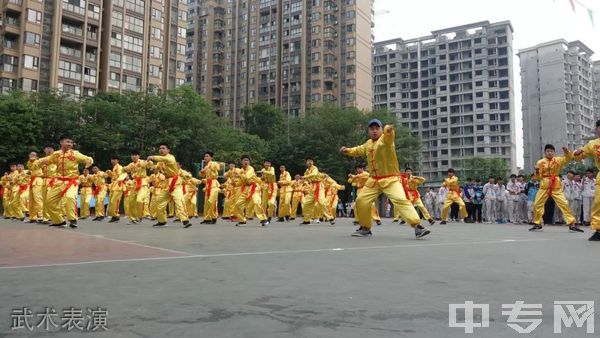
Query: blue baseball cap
[[375, 121]]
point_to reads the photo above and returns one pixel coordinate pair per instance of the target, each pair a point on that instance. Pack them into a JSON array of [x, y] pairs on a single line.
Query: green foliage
[[112, 124]]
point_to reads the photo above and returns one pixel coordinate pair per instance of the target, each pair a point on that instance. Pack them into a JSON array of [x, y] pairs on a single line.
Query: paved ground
[[289, 281]]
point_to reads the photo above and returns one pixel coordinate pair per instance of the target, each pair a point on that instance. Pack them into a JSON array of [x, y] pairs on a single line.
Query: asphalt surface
[[286, 280]]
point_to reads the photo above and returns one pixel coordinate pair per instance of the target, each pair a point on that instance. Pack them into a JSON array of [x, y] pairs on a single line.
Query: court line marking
[[133, 243], [277, 252]]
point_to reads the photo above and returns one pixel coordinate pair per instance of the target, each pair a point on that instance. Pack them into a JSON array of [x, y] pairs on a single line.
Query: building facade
[[558, 97], [454, 89], [291, 53], [82, 46]]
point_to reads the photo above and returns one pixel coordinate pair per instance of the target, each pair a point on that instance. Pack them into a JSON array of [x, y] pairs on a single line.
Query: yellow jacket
[[211, 172], [67, 162], [117, 178], [285, 182], [548, 171], [312, 174], [452, 184], [359, 180], [35, 168], [86, 181], [591, 149], [169, 164], [381, 158]]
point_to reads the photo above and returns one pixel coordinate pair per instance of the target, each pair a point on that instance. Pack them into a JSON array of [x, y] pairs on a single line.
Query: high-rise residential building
[[452, 88], [596, 85], [82, 46], [557, 96], [291, 53]]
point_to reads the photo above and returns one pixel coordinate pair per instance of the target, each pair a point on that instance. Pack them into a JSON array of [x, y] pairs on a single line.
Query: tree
[[21, 125], [479, 167], [263, 120]]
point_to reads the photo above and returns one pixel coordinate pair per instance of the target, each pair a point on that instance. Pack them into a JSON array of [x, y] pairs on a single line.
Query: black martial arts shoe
[[214, 221], [265, 222], [420, 231], [160, 224], [431, 221], [206, 221], [177, 220], [58, 225], [113, 219], [595, 237], [281, 219], [573, 228], [304, 223], [186, 224], [443, 222], [362, 232], [536, 227], [73, 224], [240, 223], [378, 222], [332, 221]]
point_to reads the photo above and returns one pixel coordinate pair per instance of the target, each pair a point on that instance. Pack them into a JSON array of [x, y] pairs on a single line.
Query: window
[[32, 39], [69, 89], [133, 44], [155, 71], [34, 16], [29, 85], [132, 63], [155, 52], [181, 32], [69, 70], [89, 74], [30, 62], [72, 29], [115, 80], [156, 33], [117, 19], [134, 24], [9, 63], [131, 82], [94, 11], [157, 15], [116, 39], [115, 60], [136, 5], [181, 49], [92, 32], [70, 50]]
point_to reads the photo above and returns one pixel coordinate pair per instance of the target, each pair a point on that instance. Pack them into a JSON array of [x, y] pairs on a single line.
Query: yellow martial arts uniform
[[269, 191], [298, 187], [358, 181], [228, 190], [210, 174], [383, 165], [190, 198], [85, 195], [117, 185], [331, 195], [413, 182], [50, 174], [547, 171], [285, 195], [174, 190], [453, 196], [249, 196], [139, 193], [36, 192], [314, 201], [592, 149], [20, 196], [99, 192], [5, 181], [65, 185]]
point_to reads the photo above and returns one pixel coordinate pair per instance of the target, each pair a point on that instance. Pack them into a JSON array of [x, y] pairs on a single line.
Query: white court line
[[132, 243], [275, 253]]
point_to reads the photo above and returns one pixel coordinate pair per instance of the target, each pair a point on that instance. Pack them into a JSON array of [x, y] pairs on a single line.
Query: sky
[[533, 21]]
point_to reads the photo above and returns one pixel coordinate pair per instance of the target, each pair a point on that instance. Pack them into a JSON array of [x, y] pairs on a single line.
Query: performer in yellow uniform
[[248, 182], [413, 182], [547, 171], [285, 194], [50, 174], [129, 199], [174, 188], [331, 192], [117, 185], [314, 201], [7, 196], [269, 189], [380, 151], [85, 182], [453, 196], [138, 196], [592, 149], [210, 174], [20, 192], [297, 186], [190, 198], [358, 181], [230, 191], [67, 161], [36, 187], [99, 192]]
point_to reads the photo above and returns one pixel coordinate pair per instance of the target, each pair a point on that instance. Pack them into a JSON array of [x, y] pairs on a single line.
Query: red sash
[[317, 186], [173, 182], [271, 189], [138, 183], [208, 187], [31, 181], [252, 191], [70, 182]]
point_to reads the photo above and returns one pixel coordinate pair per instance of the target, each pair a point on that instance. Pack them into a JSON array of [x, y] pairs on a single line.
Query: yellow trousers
[[16, 203], [453, 197], [331, 204], [45, 190], [247, 200], [172, 207], [210, 202], [297, 199], [421, 207], [99, 208], [114, 203], [84, 201], [152, 205], [62, 201], [191, 203], [595, 212], [229, 204], [137, 202], [395, 193], [6, 198], [285, 209], [559, 198], [314, 204], [374, 211], [163, 197], [36, 200], [269, 195]]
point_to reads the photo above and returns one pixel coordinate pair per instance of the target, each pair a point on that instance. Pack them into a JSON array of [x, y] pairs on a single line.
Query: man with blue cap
[[382, 162]]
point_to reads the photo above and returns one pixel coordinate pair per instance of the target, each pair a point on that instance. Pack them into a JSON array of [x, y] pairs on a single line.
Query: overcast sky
[[534, 21]]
